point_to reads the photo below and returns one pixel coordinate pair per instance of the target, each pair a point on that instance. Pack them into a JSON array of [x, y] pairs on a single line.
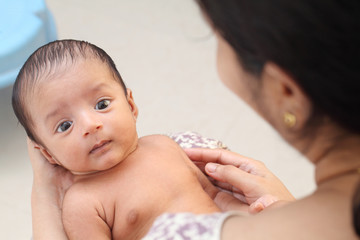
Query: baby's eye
[[102, 104], [64, 126]]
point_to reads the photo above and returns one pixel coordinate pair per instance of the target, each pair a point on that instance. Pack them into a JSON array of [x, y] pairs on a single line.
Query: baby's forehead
[[69, 70], [48, 76], [57, 71]]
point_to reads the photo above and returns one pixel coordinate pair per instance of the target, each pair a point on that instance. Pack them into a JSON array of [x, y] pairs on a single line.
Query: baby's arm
[[83, 216]]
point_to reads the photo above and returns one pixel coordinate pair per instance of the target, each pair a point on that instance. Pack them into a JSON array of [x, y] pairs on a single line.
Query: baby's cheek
[[73, 156]]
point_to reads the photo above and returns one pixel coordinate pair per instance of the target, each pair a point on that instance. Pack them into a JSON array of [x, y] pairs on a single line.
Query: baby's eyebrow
[[56, 111], [52, 114], [99, 87]]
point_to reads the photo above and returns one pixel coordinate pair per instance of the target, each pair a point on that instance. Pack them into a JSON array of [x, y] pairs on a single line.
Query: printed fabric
[[187, 226], [191, 139]]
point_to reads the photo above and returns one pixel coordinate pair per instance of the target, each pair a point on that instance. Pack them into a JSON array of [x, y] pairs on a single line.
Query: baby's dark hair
[[314, 41], [43, 64]]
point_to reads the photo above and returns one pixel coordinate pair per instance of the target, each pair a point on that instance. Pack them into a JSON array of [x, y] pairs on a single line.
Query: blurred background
[[166, 54]]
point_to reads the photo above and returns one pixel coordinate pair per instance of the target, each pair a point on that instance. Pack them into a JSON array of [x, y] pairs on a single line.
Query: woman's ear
[[133, 107], [47, 155], [285, 96]]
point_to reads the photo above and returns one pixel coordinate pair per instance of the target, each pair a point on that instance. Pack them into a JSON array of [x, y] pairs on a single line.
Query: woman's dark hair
[[356, 210], [44, 63], [317, 42]]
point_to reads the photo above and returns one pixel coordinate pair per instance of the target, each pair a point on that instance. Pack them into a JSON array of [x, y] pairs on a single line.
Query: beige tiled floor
[[166, 54]]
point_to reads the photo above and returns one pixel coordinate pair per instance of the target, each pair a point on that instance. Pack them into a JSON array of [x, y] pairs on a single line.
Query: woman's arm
[[50, 183], [46, 217]]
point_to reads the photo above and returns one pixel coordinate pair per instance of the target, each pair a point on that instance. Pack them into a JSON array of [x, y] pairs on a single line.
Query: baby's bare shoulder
[[80, 201], [158, 140], [74, 195], [83, 214], [162, 147]]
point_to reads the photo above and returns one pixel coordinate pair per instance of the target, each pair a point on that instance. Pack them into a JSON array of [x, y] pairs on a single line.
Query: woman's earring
[[289, 119]]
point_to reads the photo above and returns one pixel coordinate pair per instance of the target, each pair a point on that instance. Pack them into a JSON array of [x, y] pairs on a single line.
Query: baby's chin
[[84, 173], [108, 166]]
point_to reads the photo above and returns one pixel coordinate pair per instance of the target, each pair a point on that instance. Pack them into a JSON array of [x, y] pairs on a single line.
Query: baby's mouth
[[99, 145]]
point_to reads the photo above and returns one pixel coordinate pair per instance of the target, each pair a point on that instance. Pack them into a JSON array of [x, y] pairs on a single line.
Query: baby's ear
[[47, 155], [132, 104]]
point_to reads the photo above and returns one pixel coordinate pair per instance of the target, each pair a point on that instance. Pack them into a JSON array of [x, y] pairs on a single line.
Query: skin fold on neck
[[334, 152]]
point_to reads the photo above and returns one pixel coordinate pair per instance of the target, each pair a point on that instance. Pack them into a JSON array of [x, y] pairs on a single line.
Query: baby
[[73, 104]]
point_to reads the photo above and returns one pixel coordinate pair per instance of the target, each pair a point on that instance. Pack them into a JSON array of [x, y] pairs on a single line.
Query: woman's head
[[314, 43]]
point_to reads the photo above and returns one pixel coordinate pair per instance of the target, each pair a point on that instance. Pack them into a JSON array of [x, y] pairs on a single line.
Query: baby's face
[[84, 119]]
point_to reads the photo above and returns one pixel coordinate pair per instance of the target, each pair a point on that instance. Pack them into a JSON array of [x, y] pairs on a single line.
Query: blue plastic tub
[[25, 25]]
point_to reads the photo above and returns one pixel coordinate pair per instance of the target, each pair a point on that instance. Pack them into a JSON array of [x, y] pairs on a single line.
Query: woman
[[295, 63]]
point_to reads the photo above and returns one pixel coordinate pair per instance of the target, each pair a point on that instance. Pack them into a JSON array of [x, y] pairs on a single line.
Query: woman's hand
[[50, 180], [49, 186], [246, 179]]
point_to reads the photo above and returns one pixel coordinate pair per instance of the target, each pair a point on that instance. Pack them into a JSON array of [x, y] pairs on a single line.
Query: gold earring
[[289, 119]]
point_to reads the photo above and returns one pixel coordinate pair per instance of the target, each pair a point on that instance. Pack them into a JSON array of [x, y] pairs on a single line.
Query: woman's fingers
[[262, 203], [232, 176], [200, 165], [32, 151], [36, 158], [245, 178], [227, 202], [225, 157], [45, 172], [213, 155], [222, 185]]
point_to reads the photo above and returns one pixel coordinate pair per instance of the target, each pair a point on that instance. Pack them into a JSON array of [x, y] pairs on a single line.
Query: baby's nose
[[91, 124], [92, 129]]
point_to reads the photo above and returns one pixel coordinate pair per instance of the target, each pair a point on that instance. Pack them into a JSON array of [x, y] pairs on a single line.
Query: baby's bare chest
[[135, 195]]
